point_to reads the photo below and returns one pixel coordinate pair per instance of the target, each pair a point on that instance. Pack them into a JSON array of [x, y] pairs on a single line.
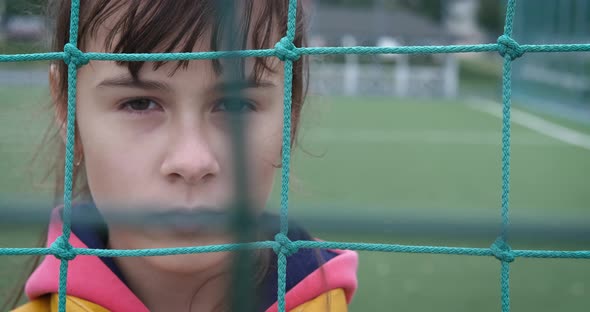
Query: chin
[[184, 263], [190, 263]]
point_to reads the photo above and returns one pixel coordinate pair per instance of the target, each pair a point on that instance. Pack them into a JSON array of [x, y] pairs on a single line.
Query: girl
[[155, 138]]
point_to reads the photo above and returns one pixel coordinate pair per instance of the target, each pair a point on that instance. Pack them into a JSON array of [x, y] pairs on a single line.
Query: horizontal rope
[[49, 56], [143, 57], [551, 228], [395, 248]]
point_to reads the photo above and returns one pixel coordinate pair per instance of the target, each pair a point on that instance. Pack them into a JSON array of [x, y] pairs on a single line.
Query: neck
[[163, 290]]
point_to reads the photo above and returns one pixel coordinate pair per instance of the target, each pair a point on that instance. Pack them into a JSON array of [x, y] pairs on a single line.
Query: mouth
[[196, 221], [182, 221]]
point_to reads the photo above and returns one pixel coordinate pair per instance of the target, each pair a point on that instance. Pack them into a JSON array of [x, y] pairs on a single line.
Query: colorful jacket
[[95, 284]]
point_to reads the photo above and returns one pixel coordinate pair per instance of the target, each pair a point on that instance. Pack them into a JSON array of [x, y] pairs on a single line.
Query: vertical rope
[[510, 53], [288, 89], [242, 217], [73, 59], [285, 50]]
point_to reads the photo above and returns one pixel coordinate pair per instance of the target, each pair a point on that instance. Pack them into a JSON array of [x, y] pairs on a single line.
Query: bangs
[[167, 26]]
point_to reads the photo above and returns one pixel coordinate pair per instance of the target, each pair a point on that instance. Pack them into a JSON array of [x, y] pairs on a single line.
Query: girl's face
[[164, 143]]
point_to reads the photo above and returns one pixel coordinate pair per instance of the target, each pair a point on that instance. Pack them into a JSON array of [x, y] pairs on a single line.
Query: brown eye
[[140, 105]]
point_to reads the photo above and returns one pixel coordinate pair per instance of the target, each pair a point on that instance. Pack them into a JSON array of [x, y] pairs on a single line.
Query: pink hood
[[90, 279]]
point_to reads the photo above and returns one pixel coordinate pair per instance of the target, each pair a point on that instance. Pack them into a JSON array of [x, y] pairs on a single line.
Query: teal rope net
[[287, 52]]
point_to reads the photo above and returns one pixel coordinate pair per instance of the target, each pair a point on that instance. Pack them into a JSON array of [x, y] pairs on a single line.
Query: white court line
[[428, 136], [534, 123]]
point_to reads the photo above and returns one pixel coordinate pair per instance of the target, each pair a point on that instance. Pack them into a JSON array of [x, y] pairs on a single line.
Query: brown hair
[[146, 28]]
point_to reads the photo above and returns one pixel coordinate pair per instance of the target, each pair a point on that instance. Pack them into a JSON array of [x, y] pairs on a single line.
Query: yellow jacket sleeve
[[332, 301], [49, 304]]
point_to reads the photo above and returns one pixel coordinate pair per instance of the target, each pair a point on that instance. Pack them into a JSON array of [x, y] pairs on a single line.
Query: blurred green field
[[387, 159]]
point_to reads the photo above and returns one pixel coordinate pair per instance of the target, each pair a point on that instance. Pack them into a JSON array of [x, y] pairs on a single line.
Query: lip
[[189, 221]]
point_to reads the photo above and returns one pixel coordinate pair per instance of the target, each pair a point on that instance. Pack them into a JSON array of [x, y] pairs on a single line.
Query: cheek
[[264, 155], [114, 162]]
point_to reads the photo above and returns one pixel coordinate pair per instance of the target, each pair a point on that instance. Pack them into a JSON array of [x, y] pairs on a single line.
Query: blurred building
[[2, 13], [24, 27], [390, 75], [460, 19], [330, 23]]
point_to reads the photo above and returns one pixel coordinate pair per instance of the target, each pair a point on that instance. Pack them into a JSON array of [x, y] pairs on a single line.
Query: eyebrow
[[224, 86]]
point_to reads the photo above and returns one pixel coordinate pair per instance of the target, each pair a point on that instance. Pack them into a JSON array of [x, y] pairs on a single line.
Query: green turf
[[406, 282], [23, 121], [420, 171], [385, 158]]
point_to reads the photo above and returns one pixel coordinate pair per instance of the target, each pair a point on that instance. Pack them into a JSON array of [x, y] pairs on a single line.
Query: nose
[[190, 158]]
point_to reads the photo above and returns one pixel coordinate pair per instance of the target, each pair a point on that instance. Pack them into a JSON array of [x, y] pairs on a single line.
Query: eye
[[234, 105], [140, 106]]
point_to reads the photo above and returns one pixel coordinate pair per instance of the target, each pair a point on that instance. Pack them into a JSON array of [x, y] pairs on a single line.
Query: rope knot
[[75, 56], [286, 50], [502, 250], [508, 46], [62, 249], [284, 245]]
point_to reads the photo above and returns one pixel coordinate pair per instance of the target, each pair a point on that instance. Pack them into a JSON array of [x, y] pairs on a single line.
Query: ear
[[56, 99]]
